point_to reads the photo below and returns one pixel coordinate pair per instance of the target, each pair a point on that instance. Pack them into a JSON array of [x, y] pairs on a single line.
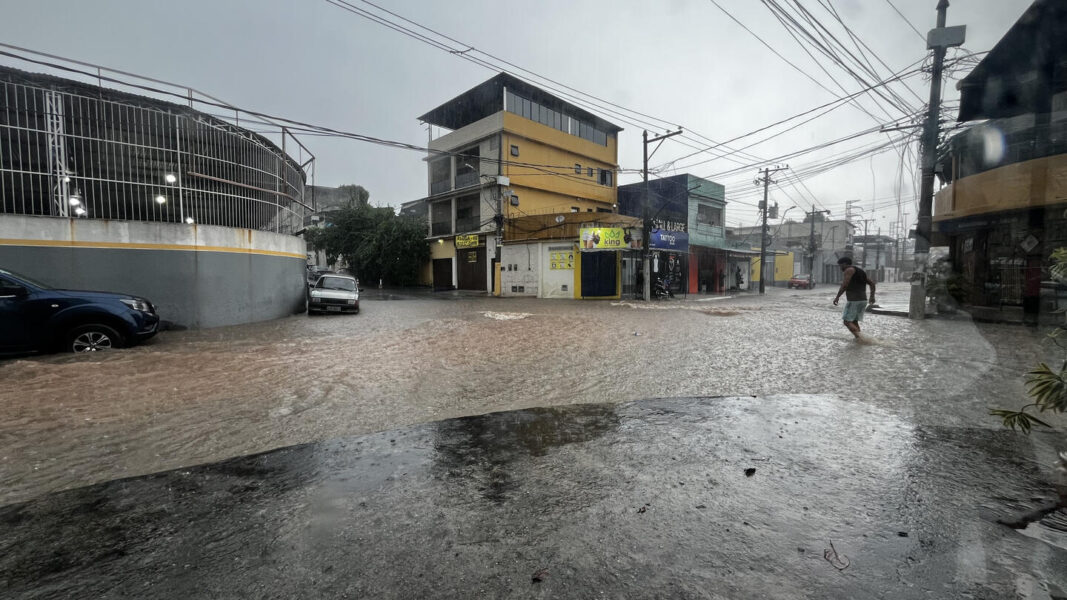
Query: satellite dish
[[560, 218]]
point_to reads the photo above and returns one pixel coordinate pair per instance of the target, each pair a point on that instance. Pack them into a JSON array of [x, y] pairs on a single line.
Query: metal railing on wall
[[92, 156]]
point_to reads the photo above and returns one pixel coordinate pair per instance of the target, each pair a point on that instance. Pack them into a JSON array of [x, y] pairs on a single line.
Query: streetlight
[[170, 178], [161, 199]]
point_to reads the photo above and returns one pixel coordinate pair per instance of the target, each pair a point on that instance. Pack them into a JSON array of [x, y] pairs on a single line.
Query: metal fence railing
[[102, 156]]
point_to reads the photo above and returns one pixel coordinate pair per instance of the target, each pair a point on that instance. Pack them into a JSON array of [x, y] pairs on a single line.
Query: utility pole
[[647, 222], [811, 242], [865, 222], [878, 255], [938, 40], [766, 180]]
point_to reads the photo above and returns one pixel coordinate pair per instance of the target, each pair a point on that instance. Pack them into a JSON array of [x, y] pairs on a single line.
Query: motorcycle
[[661, 288]]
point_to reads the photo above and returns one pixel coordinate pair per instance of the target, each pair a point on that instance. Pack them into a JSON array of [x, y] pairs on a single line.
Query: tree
[[355, 194], [375, 242]]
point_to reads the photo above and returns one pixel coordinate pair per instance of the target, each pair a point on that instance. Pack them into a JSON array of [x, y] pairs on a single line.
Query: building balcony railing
[[440, 187], [999, 143], [466, 179]]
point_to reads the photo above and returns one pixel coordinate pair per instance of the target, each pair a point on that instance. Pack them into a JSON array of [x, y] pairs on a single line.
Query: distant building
[[515, 152], [833, 240]]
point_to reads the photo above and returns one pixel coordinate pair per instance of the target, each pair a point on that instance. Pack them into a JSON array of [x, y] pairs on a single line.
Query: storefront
[[670, 259], [600, 261]]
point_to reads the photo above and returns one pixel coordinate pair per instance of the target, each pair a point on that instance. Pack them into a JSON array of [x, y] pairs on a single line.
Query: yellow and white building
[[511, 151]]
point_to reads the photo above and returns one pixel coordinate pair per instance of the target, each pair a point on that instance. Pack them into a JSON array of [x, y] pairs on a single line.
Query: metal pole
[[763, 233], [917, 304], [878, 255], [811, 267], [646, 291], [645, 217]]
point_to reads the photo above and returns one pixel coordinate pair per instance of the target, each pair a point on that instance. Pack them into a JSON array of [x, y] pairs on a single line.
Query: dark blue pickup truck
[[37, 317]]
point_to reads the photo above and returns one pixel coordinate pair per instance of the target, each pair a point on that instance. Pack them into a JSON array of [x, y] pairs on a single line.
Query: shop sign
[[472, 257], [467, 241], [602, 238], [669, 240]]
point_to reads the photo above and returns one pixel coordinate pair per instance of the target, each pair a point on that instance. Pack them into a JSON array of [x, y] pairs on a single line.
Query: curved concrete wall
[[197, 276]]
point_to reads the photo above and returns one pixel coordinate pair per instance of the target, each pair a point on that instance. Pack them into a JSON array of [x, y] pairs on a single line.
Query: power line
[[469, 49], [906, 20], [829, 107]]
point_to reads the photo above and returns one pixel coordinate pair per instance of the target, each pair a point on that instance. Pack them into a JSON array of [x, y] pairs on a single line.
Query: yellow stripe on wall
[[139, 246]]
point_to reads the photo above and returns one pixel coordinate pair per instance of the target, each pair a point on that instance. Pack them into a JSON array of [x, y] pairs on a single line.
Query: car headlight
[[316, 299], [351, 300], [137, 304]]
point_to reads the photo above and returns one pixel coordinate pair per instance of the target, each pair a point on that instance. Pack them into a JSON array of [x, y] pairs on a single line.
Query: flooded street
[[195, 397]]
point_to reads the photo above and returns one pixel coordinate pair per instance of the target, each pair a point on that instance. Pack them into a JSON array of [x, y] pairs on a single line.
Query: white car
[[334, 293]]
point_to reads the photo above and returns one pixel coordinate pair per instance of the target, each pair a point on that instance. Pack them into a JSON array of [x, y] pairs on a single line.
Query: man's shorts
[[854, 310]]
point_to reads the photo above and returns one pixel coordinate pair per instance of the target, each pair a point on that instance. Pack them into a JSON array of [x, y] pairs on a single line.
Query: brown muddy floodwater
[[198, 396]]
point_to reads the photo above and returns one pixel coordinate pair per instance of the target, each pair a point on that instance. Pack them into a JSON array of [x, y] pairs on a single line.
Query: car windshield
[[574, 320], [29, 280], [337, 283]]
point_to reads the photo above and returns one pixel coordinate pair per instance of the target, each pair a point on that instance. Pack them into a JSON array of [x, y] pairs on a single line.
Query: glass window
[[441, 218], [605, 177], [709, 215], [337, 283], [468, 213], [600, 137], [590, 172], [578, 168], [526, 108], [514, 150]]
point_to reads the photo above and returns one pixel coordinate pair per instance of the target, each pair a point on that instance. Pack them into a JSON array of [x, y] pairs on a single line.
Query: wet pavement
[[799, 496], [194, 397]]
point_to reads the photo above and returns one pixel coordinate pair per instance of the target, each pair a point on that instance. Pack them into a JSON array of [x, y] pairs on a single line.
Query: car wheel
[[93, 338]]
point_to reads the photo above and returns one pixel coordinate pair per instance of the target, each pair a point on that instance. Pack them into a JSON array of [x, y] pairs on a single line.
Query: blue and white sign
[[669, 240]]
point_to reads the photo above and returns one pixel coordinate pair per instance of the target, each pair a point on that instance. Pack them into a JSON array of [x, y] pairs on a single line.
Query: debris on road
[[839, 561], [749, 472], [539, 575]]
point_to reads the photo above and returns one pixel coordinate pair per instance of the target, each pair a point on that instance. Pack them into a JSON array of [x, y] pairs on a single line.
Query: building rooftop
[[487, 98], [1026, 67]]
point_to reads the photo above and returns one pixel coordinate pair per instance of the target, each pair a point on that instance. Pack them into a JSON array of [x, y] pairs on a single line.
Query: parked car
[[801, 282], [313, 274], [334, 293], [37, 317]]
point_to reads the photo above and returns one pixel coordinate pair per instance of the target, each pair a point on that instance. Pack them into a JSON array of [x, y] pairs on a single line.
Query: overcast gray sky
[[684, 61]]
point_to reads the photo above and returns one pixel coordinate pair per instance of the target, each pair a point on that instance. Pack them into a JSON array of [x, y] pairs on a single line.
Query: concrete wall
[[197, 276], [557, 283], [520, 266]]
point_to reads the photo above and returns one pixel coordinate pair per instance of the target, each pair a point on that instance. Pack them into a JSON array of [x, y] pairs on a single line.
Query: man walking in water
[[854, 287]]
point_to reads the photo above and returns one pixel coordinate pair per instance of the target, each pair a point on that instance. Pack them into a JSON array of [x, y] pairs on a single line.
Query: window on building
[[602, 209], [605, 177], [468, 213], [709, 215], [588, 210], [514, 150], [440, 176], [575, 209], [589, 171], [494, 142], [467, 167], [441, 218], [578, 168]]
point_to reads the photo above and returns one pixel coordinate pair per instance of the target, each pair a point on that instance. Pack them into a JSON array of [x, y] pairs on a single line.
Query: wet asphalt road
[[201, 396], [854, 443], [635, 500]]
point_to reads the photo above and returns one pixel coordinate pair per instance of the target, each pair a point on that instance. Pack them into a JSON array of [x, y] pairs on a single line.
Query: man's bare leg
[[854, 327]]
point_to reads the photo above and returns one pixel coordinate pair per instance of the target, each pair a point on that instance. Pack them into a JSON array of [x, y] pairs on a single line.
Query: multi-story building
[[512, 151], [693, 206], [1003, 208]]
